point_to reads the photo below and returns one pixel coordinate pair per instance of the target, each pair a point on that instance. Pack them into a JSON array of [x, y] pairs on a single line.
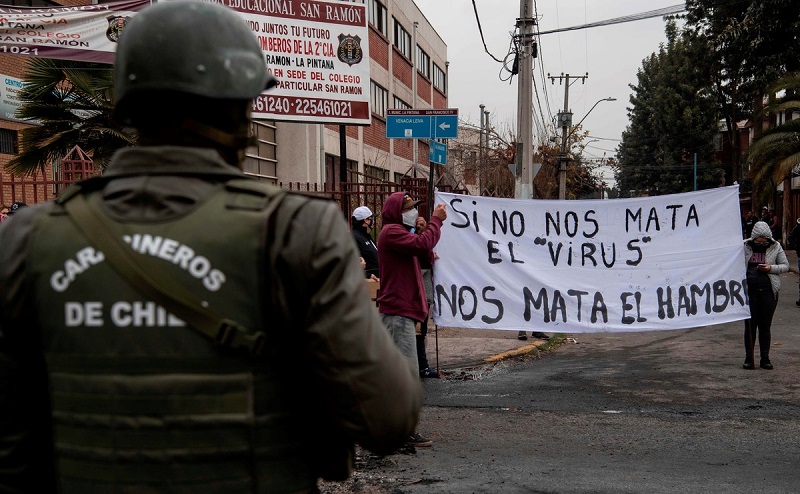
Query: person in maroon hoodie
[[402, 301]]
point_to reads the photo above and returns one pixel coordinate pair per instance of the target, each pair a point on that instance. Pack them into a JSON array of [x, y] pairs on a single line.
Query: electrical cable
[[675, 9], [480, 30]]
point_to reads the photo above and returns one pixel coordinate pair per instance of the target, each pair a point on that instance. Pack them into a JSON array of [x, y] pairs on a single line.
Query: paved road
[[657, 412]]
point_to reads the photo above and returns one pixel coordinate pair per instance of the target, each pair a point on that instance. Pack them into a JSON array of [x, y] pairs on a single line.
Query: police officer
[[110, 381]]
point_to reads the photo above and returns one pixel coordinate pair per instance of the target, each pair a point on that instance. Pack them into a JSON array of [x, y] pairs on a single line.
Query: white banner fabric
[[88, 33], [590, 266]]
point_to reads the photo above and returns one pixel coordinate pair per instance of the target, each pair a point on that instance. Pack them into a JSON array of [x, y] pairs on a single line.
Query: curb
[[523, 350], [492, 359]]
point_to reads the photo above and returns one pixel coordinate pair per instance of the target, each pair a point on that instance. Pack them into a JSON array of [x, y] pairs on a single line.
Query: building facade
[[408, 69]]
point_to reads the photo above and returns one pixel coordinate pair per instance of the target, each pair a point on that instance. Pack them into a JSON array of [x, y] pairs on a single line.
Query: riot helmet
[[186, 73], [191, 47]]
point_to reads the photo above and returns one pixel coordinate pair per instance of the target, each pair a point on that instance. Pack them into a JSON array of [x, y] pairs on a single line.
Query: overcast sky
[[610, 54]]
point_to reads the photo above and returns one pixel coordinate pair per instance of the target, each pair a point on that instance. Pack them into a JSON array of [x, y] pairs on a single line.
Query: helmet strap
[[227, 139], [233, 144]]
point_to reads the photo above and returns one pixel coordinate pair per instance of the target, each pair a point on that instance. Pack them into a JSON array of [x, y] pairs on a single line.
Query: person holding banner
[[402, 301], [765, 260]]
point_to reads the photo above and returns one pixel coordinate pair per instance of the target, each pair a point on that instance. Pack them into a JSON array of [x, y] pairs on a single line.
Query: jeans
[[403, 332]]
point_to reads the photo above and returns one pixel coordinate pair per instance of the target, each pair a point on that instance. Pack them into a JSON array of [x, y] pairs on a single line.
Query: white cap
[[361, 213]]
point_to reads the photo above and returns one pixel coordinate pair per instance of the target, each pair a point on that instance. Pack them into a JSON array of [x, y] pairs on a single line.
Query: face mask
[[410, 217]]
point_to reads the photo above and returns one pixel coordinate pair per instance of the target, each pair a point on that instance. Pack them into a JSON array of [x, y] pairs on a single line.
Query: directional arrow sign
[[422, 123], [438, 152]]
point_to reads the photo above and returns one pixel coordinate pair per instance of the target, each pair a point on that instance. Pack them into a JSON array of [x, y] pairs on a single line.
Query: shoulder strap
[[158, 287]]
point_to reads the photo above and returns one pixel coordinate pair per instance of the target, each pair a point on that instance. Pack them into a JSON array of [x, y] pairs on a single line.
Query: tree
[[673, 121], [775, 155], [582, 181], [753, 44], [72, 103]]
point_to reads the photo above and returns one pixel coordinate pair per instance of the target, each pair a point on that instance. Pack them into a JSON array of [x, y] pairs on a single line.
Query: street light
[[562, 169]]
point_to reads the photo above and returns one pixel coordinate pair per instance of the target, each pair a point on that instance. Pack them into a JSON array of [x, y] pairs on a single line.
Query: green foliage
[[72, 103], [673, 117], [754, 43], [776, 154]]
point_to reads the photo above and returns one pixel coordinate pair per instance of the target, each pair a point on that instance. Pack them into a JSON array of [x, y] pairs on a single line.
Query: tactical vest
[[142, 403]]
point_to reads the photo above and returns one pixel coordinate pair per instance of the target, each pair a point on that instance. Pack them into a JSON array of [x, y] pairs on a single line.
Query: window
[[423, 63], [380, 99], [333, 170], [8, 141], [261, 157], [400, 104], [439, 79], [377, 16], [402, 40], [375, 175]]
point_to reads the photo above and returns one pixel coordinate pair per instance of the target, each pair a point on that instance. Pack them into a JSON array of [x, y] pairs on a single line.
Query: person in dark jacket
[[105, 386], [361, 222], [402, 301]]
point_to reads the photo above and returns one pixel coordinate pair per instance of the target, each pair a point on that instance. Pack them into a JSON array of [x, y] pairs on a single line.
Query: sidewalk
[[460, 347]]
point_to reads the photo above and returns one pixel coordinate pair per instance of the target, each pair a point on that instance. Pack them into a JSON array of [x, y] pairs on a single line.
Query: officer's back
[[109, 385]]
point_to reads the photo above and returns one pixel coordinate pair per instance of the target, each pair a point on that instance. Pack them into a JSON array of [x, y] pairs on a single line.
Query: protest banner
[[589, 266]]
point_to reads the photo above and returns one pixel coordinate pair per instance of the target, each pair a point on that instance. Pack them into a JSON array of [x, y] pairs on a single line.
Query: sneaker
[[540, 335], [428, 372], [522, 336], [418, 441]]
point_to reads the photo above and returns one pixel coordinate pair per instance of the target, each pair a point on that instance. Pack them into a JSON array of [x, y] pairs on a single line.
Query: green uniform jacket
[[104, 391]]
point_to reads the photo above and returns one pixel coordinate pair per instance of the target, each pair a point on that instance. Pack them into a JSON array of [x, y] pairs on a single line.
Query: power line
[[675, 9], [480, 30]]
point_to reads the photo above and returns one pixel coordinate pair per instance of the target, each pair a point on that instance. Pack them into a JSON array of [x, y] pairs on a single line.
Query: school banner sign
[[318, 50], [643, 264], [87, 33]]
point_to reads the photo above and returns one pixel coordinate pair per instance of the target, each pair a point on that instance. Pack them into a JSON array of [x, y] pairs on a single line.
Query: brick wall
[[403, 148], [378, 48], [375, 135], [401, 67], [439, 100], [423, 88]]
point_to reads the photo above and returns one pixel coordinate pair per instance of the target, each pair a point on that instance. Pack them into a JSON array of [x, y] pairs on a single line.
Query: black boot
[[765, 363], [749, 345]]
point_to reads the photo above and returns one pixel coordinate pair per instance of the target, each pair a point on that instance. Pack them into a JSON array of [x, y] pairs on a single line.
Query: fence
[[348, 195], [351, 195], [32, 189]]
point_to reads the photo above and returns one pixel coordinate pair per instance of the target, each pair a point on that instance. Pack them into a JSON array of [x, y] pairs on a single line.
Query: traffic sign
[[422, 123], [438, 152]]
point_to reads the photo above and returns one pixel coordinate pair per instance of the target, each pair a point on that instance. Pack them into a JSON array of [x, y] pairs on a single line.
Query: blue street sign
[[445, 127], [422, 124], [438, 152]]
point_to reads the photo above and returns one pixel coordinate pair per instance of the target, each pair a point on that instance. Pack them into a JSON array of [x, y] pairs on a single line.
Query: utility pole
[[527, 52], [486, 128], [414, 90], [565, 121], [479, 165]]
